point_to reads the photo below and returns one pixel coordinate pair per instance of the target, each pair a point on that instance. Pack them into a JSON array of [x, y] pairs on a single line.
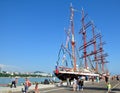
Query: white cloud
[[9, 67]]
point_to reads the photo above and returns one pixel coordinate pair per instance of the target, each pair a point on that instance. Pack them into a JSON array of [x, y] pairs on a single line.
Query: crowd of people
[[77, 83], [26, 84]]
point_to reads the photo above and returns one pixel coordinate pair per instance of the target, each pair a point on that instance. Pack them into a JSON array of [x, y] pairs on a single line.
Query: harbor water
[[7, 80]]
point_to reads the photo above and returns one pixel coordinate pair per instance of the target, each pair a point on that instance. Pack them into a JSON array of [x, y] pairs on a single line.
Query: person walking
[[106, 79], [13, 83], [109, 87], [68, 82], [117, 78], [81, 84], [74, 84], [97, 79], [92, 79]]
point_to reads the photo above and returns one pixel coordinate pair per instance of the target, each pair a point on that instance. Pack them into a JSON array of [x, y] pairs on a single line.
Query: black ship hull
[[71, 75], [64, 76]]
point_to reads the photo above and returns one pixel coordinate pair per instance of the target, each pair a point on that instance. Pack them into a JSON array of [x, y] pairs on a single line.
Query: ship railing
[[61, 68]]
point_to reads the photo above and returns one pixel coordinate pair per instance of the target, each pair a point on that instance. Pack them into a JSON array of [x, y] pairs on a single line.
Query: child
[[109, 87], [36, 88]]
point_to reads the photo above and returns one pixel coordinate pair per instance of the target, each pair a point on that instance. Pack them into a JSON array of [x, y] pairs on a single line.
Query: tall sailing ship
[[83, 55]]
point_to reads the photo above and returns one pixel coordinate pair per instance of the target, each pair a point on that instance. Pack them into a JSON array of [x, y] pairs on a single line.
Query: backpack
[[29, 84]]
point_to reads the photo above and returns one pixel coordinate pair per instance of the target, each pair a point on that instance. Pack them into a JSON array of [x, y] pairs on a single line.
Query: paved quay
[[88, 88], [18, 88]]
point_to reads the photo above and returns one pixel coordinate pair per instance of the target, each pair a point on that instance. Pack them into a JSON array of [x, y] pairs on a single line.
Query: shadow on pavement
[[116, 89], [95, 88]]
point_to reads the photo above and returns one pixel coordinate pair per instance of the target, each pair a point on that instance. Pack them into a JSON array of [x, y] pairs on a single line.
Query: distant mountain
[[39, 72], [42, 73]]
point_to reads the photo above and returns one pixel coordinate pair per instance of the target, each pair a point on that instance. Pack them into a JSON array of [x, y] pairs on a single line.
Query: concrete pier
[[100, 87]]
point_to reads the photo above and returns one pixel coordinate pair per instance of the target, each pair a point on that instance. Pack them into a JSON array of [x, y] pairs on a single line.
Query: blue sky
[[31, 31]]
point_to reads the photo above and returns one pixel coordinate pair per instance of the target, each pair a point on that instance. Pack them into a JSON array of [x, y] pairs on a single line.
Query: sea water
[[7, 80]]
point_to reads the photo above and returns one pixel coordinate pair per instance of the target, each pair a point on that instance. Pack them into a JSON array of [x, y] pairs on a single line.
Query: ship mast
[[95, 50], [101, 50], [84, 39], [102, 55], [73, 37], [90, 42]]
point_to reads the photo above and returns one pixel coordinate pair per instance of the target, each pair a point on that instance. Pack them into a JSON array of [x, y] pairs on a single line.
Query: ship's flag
[[56, 70]]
